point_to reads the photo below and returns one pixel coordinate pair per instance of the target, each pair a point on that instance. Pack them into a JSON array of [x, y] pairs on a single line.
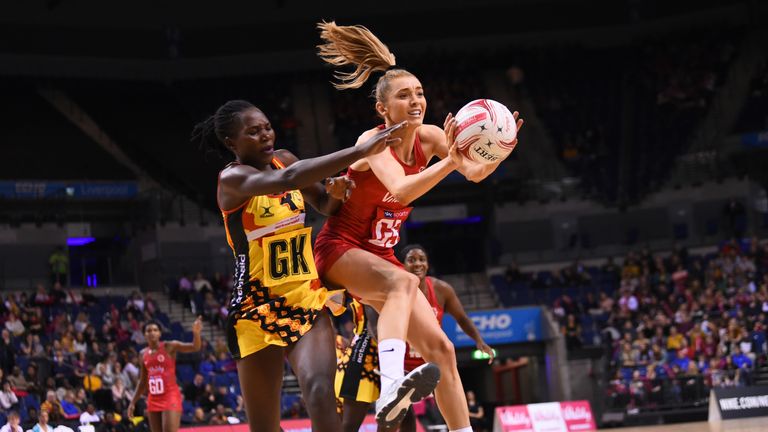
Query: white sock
[[466, 429], [391, 359]]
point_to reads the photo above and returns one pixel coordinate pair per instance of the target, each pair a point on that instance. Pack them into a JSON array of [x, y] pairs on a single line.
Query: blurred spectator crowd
[[74, 354], [672, 324]]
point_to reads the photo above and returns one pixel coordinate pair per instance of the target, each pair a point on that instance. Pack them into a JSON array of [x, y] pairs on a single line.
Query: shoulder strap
[[276, 163], [431, 295], [421, 159]]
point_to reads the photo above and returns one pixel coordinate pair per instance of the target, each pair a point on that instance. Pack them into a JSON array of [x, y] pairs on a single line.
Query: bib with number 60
[[288, 257], [156, 385]]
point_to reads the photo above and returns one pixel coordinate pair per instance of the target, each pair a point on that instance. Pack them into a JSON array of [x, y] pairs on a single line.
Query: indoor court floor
[[758, 424]]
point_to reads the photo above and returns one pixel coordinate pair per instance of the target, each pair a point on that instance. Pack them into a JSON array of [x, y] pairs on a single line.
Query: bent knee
[[318, 389], [409, 282], [440, 351], [446, 349], [404, 283]]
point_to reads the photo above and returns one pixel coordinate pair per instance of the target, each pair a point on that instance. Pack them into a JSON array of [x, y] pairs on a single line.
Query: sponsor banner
[[578, 416], [33, 189], [501, 326], [575, 416], [513, 418], [547, 417], [293, 425], [738, 402]]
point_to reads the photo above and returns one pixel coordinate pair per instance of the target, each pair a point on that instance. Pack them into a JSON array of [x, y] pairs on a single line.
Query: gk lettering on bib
[[385, 229], [288, 257]]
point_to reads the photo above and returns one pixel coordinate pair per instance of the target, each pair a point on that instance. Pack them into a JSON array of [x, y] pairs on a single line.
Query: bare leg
[[171, 421], [313, 359], [429, 339], [393, 292], [354, 415], [155, 420], [409, 422], [261, 379], [376, 280]]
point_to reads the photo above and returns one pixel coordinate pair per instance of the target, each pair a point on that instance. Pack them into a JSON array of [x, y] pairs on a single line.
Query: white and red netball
[[485, 131]]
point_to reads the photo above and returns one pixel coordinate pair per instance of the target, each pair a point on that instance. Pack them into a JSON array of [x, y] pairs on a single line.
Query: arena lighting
[[79, 241], [480, 355]]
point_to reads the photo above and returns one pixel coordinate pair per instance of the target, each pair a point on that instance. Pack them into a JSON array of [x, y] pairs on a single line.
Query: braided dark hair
[[410, 247], [210, 133]]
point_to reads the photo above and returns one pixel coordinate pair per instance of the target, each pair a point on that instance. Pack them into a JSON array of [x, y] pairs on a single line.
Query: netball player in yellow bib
[[277, 306]]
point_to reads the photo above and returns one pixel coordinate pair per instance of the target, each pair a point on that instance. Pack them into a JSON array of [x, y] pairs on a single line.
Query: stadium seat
[[164, 319], [185, 373], [188, 407], [22, 362], [31, 401], [221, 380], [177, 331]]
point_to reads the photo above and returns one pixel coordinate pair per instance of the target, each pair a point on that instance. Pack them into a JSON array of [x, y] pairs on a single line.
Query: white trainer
[[413, 387]]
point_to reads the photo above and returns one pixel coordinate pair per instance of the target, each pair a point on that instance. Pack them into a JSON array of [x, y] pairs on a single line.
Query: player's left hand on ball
[[457, 158], [449, 127], [340, 187]]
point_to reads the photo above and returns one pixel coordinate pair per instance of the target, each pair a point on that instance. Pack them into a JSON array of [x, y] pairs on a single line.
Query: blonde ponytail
[[353, 45]]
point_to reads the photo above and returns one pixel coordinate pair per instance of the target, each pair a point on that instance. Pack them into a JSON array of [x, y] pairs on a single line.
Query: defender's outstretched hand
[[382, 139]]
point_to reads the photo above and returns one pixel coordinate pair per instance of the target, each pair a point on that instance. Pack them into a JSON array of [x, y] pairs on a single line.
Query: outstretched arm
[[325, 198], [455, 309], [404, 188], [141, 388], [242, 181], [185, 347]]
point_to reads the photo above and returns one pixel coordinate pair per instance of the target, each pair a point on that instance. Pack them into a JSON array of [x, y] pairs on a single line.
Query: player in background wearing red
[[354, 248], [158, 376], [443, 299]]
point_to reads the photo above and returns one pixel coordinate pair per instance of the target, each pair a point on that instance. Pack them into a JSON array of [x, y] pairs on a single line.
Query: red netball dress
[[369, 220], [412, 358], [163, 391]]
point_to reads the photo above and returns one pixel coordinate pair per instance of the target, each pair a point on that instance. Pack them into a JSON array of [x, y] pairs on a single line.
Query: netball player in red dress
[[158, 375], [354, 248], [443, 299]]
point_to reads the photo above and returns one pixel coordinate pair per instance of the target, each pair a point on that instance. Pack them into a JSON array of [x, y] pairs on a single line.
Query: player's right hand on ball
[[382, 139]]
